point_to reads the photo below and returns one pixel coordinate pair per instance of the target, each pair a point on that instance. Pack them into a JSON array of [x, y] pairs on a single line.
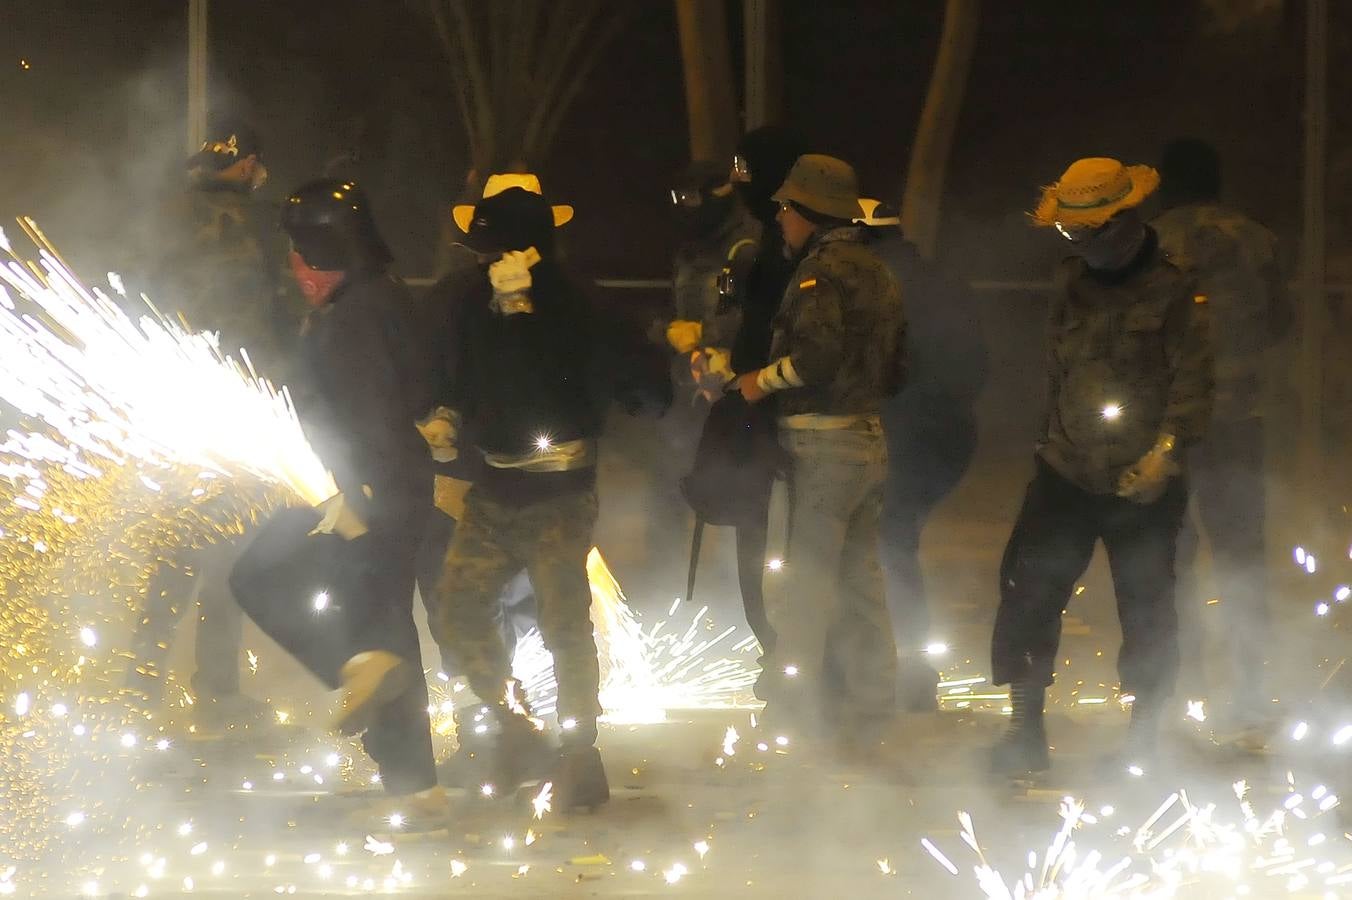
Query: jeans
[[829, 599], [370, 585], [191, 579], [1230, 499], [1050, 548]]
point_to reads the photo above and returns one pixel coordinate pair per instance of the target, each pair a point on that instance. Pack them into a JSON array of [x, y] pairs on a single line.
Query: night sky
[[93, 128]]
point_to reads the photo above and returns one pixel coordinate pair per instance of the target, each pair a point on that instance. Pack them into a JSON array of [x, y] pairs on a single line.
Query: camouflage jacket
[[696, 274], [220, 266], [840, 332], [1233, 261], [1130, 359]]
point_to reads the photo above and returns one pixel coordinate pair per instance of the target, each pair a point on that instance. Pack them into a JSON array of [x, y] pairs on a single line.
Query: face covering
[[316, 284], [1113, 247]]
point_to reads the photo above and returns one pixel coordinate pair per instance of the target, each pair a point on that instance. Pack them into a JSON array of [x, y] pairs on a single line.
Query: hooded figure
[[1233, 260], [931, 433], [519, 381], [363, 381]]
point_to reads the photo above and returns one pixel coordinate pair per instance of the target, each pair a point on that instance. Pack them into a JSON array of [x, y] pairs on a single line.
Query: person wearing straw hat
[[1130, 383], [520, 384], [836, 355]]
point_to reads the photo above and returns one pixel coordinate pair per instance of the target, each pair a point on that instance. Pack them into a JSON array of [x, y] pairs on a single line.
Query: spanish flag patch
[[807, 283]]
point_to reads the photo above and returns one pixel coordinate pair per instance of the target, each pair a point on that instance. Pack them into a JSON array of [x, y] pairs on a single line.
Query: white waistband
[[815, 422], [564, 457]]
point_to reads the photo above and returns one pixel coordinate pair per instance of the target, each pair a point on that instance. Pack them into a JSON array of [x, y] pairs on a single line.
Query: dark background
[[93, 129]]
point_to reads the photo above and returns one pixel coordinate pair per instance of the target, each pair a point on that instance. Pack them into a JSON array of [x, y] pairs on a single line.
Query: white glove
[[339, 518], [511, 274]]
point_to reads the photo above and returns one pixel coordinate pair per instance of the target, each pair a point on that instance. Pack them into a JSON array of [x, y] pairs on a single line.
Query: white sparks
[[378, 847], [675, 873], [88, 637], [1111, 412], [396, 820], [21, 704], [702, 848], [1342, 735], [1197, 710], [321, 601], [75, 819], [775, 564], [936, 649], [638, 865], [938, 856], [542, 802], [1298, 733], [458, 868]]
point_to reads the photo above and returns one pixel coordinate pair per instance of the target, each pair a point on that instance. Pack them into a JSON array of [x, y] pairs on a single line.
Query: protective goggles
[[741, 170]]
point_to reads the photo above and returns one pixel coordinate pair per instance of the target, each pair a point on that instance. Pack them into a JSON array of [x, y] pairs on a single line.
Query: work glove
[[684, 335], [511, 281], [441, 430], [711, 368], [338, 517], [1145, 480]]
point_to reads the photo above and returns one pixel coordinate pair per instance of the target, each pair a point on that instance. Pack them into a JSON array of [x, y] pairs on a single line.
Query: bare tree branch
[[607, 32], [458, 74]]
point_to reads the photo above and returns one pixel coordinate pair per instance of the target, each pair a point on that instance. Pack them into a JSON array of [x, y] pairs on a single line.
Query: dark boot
[[1140, 750], [1023, 749], [580, 778]]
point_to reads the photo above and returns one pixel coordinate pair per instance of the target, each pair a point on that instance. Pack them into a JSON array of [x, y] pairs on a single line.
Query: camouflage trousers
[[493, 542]]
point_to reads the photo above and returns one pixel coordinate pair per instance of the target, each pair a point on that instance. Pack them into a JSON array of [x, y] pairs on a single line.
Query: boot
[[580, 778], [1023, 749], [1140, 750], [370, 680], [524, 752]]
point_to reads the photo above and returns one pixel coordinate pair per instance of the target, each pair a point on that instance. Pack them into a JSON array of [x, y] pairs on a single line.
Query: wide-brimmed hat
[[496, 184], [877, 214], [1092, 191], [823, 184]]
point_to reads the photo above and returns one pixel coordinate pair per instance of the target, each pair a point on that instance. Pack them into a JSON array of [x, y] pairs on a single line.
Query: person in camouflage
[[837, 354], [520, 385], [1129, 382], [1233, 260], [216, 272]]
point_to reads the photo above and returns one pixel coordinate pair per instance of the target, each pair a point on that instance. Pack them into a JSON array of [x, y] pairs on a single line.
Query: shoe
[[1021, 751], [427, 810], [370, 680], [580, 779]]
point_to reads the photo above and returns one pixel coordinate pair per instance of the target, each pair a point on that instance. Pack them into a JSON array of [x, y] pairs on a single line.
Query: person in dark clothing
[[1129, 380], [364, 378], [764, 158], [1234, 262], [521, 388], [931, 434]]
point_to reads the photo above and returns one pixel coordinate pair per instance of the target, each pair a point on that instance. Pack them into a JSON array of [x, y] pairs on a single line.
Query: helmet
[[330, 225]]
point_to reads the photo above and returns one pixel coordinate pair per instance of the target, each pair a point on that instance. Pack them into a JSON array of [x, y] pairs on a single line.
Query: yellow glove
[[684, 335], [340, 519], [1145, 480], [439, 430]]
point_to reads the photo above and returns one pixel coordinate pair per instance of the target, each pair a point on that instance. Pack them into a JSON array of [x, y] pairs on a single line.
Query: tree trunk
[[924, 186], [764, 62], [707, 62]]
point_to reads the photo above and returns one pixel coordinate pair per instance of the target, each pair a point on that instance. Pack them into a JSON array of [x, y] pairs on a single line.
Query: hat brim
[[464, 216], [835, 207], [869, 207], [1144, 182]]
